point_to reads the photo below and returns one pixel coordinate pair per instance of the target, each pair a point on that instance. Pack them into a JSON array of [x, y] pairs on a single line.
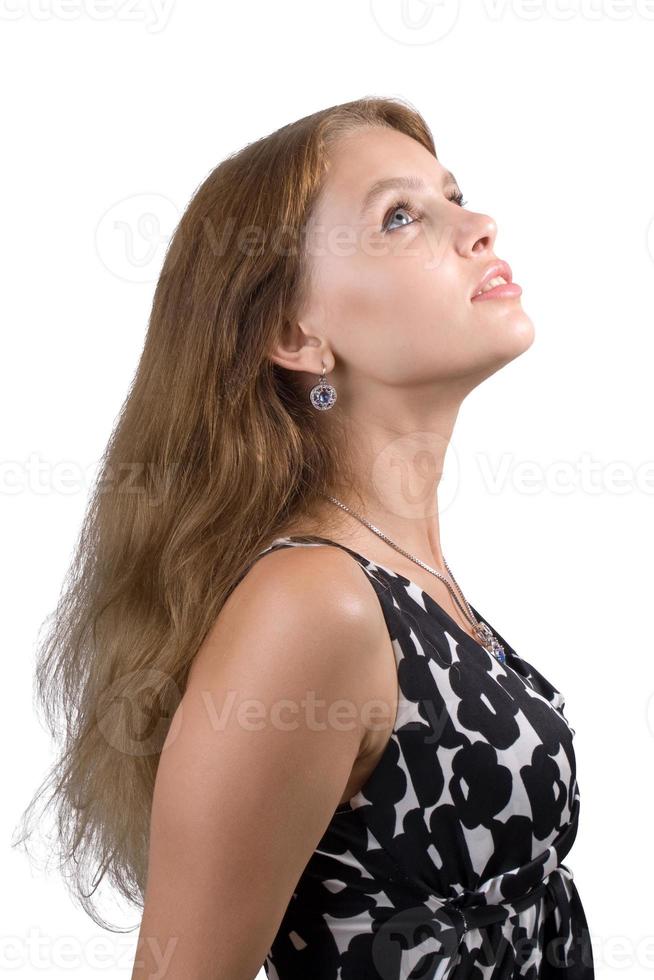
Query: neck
[[413, 530]]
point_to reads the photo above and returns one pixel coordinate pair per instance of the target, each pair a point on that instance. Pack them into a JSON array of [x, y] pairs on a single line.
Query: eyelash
[[416, 213]]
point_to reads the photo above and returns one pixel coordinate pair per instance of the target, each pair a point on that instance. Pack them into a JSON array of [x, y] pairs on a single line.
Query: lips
[[497, 268]]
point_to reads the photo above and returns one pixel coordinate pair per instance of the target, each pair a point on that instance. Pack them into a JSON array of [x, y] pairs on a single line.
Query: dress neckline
[[448, 621]]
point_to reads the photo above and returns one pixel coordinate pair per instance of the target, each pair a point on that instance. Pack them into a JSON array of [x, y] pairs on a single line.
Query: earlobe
[[289, 350], [276, 360], [287, 361]]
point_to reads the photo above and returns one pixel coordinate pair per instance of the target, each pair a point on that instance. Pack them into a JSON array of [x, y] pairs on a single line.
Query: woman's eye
[[457, 198], [400, 206], [414, 213]]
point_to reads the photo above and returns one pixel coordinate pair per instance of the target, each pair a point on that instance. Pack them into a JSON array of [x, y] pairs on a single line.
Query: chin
[[522, 328], [509, 339], [512, 334]]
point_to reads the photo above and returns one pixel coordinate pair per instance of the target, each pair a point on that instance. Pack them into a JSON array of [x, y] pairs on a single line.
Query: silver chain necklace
[[481, 630]]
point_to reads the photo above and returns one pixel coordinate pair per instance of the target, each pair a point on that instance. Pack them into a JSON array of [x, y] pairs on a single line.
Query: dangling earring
[[323, 395]]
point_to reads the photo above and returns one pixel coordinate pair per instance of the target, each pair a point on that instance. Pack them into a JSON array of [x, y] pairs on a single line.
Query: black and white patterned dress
[[446, 865]]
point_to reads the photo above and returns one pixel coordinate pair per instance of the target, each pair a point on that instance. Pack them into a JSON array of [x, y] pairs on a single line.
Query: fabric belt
[[434, 931], [557, 886]]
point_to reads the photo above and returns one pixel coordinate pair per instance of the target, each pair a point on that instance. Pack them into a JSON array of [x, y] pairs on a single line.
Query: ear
[[299, 350]]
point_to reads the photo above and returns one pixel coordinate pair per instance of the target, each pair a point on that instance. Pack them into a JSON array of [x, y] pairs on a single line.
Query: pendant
[[490, 642], [322, 395]]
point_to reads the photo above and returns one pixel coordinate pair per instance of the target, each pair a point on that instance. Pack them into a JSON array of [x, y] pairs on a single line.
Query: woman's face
[[391, 286]]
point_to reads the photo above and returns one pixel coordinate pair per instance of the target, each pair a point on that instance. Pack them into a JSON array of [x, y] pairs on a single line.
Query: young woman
[[290, 737]]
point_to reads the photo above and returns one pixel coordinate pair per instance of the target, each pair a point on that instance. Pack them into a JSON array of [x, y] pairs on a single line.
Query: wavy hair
[[216, 450]]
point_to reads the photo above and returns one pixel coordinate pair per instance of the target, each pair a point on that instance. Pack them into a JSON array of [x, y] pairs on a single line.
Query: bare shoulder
[[302, 623], [257, 759], [313, 590]]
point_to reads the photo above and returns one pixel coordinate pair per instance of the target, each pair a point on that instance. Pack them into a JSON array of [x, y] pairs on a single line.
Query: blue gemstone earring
[[323, 395]]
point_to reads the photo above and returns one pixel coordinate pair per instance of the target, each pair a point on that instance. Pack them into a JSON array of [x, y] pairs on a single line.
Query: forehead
[[364, 160]]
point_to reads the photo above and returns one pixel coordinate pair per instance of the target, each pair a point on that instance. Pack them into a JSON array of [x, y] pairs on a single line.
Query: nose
[[477, 233]]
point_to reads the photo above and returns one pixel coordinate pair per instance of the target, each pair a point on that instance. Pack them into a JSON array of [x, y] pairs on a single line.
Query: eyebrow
[[408, 183]]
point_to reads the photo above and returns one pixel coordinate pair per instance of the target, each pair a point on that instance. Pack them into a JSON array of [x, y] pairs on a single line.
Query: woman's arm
[[243, 795]]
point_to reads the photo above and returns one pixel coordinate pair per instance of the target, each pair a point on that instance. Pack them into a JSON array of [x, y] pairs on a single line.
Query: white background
[[112, 114]]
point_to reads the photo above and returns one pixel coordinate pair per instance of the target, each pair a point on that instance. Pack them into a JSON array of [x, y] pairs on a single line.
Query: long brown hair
[[216, 450]]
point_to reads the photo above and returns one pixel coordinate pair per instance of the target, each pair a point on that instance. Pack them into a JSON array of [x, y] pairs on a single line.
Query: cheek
[[403, 286], [400, 315], [396, 316]]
